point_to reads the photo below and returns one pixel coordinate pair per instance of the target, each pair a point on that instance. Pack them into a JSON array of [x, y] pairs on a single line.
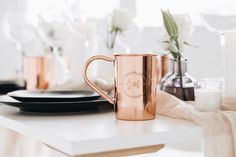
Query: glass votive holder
[[208, 94], [35, 69]]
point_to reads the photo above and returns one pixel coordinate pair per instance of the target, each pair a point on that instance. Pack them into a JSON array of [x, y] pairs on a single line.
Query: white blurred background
[[212, 19], [214, 33]]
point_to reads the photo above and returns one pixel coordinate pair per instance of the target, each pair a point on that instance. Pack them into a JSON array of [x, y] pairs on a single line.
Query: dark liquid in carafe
[[178, 92]]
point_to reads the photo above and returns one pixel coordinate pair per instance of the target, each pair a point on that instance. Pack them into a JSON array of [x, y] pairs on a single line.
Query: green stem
[[181, 78], [180, 71], [107, 40], [114, 40]]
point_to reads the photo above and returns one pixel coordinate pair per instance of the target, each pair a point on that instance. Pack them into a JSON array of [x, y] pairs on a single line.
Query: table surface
[[81, 133]]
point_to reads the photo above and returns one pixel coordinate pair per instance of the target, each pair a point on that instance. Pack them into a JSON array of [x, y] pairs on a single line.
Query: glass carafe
[[180, 83]]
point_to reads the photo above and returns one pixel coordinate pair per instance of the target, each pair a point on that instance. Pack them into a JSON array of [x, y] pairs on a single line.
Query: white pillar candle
[[229, 64], [208, 99]]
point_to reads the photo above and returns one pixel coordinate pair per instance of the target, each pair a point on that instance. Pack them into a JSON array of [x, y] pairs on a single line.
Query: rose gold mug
[[135, 85], [36, 72]]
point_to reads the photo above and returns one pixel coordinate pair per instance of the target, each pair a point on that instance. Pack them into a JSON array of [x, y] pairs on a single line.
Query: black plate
[[53, 107], [53, 96], [9, 86]]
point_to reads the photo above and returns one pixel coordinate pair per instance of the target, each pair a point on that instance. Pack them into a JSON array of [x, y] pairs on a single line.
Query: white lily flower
[[185, 29], [121, 18]]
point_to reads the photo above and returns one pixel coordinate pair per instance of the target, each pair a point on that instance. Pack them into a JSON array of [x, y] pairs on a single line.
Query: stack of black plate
[[10, 85], [53, 101]]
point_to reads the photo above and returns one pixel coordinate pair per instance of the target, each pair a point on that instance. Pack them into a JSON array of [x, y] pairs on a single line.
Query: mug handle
[[93, 85]]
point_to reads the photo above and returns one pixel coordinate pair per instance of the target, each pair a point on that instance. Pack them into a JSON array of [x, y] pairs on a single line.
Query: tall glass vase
[[180, 83]]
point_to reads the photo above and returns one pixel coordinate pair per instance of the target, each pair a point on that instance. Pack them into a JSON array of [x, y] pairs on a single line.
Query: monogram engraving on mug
[[133, 84]]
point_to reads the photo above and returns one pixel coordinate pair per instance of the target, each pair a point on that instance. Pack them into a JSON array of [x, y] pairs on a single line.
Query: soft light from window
[[60, 9], [149, 12]]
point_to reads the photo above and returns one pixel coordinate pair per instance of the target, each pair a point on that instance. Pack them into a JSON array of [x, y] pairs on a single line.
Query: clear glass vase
[[180, 83]]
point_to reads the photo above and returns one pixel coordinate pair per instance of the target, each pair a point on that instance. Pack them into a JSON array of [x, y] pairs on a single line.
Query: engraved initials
[[133, 83]]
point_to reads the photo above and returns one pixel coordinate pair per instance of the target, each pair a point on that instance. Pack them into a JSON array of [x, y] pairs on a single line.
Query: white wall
[[7, 66], [207, 60]]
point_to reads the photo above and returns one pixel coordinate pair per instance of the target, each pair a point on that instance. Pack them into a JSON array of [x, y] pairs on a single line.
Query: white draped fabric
[[219, 126]]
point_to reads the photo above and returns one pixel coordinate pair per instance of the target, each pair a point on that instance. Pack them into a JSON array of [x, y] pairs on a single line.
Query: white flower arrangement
[[178, 30], [119, 21]]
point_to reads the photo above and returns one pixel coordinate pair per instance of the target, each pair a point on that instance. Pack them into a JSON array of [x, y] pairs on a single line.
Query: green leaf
[[167, 23], [170, 25], [175, 27], [164, 41], [186, 43], [172, 30], [173, 47]]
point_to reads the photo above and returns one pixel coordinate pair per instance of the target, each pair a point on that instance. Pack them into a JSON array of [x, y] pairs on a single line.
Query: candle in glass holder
[[208, 97]]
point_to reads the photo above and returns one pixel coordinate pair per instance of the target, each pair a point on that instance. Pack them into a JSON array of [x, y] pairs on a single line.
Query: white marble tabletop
[[81, 133]]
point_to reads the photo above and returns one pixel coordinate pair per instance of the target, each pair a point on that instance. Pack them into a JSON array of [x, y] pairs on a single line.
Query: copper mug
[[36, 72], [135, 85]]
